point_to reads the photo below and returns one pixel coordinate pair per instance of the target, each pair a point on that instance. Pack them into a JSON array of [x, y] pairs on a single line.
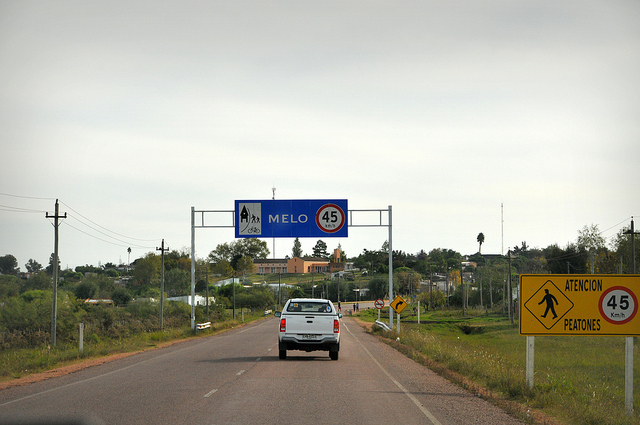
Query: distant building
[[271, 266], [300, 264], [308, 265]]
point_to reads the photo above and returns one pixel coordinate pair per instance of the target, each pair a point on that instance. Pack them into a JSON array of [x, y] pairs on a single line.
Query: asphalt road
[[237, 378]]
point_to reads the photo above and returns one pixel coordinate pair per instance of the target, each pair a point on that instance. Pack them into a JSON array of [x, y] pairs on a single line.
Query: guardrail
[[201, 326], [383, 325]]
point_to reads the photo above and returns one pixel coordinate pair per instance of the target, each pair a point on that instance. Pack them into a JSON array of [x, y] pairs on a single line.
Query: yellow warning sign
[[398, 304], [579, 305]]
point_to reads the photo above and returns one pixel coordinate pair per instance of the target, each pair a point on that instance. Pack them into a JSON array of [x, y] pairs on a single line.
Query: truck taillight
[[336, 326], [283, 325]]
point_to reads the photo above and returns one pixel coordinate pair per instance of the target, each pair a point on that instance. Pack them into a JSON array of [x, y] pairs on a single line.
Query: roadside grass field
[[578, 380], [18, 363]]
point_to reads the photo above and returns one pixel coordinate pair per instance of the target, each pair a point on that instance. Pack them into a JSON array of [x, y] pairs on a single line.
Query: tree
[[297, 249], [9, 265], [590, 239], [120, 296], [621, 244], [147, 269], [223, 252], [177, 282], [40, 280], [9, 286], [85, 290], [223, 268], [251, 247], [33, 266], [378, 287], [408, 280], [320, 250], [245, 265], [50, 266], [480, 240]]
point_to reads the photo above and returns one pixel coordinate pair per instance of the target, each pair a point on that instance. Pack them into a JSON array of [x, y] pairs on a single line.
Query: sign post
[[591, 305], [379, 304], [398, 305]]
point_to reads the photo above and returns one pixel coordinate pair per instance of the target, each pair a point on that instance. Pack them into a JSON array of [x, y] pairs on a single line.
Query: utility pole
[[510, 294], [162, 250], [628, 382], [633, 233], [464, 311], [54, 309]]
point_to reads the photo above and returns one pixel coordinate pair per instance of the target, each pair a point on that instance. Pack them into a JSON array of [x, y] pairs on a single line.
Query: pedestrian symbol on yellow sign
[[549, 299], [548, 304]]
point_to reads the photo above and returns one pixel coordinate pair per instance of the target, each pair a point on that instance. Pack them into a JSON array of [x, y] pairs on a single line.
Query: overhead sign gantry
[[289, 219]]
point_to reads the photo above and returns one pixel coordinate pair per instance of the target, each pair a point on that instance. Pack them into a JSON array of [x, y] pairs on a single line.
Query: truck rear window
[[309, 307]]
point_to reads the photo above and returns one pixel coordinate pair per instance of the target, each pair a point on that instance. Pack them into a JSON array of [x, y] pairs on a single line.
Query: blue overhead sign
[[309, 218]]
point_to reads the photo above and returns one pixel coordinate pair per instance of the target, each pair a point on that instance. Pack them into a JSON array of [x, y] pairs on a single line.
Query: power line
[[614, 226], [126, 245], [26, 197], [105, 234], [9, 208], [104, 228]]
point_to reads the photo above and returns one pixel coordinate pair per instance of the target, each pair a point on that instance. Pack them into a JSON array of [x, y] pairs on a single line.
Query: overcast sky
[[132, 112]]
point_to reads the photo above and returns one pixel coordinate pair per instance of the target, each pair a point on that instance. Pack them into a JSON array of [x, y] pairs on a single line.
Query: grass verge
[[18, 363]]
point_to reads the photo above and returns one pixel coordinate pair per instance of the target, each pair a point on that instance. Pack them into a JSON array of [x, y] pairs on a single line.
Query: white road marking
[[241, 372], [210, 393], [424, 410]]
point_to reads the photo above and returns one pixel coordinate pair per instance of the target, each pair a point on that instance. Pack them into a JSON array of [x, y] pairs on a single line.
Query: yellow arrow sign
[[398, 304]]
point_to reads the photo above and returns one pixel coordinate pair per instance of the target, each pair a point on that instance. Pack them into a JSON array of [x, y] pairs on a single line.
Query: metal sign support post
[[201, 225], [391, 275], [380, 224], [193, 268], [628, 376], [530, 357]]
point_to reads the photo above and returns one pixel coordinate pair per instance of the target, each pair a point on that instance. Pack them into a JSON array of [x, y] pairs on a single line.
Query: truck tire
[[282, 354], [334, 355]]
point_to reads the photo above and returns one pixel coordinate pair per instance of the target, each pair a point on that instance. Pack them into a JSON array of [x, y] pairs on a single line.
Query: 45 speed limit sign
[[618, 305], [330, 218]]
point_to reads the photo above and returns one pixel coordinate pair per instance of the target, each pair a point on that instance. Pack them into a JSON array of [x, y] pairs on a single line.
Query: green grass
[[578, 380]]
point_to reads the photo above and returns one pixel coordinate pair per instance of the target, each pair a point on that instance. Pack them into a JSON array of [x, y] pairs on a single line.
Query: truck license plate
[[307, 336]]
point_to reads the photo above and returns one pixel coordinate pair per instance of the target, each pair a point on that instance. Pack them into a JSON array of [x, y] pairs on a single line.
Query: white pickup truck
[[309, 324]]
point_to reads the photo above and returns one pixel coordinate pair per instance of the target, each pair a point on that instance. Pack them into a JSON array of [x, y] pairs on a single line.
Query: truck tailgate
[[319, 324]]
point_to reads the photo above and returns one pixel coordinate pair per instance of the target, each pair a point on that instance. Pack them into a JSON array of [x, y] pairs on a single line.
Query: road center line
[[424, 410], [210, 393]]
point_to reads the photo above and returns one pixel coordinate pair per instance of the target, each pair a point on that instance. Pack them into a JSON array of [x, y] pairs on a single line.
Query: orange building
[[300, 264], [307, 265]]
